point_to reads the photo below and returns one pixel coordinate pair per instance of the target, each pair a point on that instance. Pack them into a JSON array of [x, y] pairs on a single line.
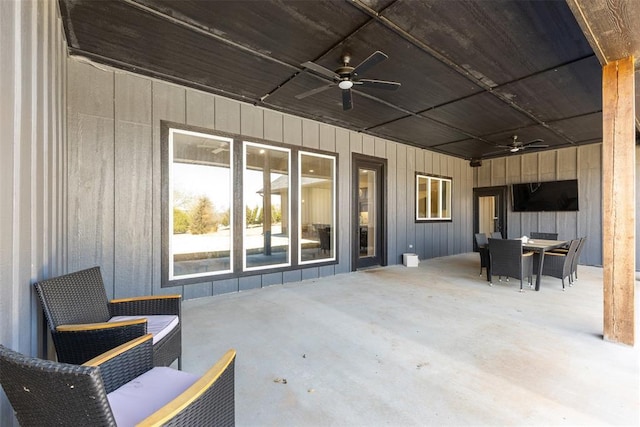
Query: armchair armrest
[[146, 305], [80, 342], [124, 363], [80, 327], [211, 398]]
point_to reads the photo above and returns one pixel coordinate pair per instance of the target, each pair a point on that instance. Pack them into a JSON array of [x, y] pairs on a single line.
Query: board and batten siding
[[32, 109], [114, 179], [583, 163]]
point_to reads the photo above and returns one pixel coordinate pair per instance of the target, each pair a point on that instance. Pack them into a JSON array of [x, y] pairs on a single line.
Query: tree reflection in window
[[200, 218]]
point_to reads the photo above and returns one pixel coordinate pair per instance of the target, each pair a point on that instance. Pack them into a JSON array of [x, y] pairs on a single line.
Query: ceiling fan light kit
[[345, 84], [346, 76]]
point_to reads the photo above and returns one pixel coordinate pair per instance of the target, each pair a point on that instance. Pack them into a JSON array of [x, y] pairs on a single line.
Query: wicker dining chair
[[118, 388], [496, 235], [84, 323], [507, 259], [482, 243], [543, 236], [576, 259], [559, 264], [324, 234]]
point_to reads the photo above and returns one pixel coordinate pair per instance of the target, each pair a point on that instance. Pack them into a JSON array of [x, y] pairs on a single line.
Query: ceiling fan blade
[[314, 91], [529, 143], [378, 84], [538, 146], [375, 58], [320, 70], [347, 100]]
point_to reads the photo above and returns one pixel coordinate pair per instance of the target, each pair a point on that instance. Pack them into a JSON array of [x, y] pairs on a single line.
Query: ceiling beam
[[612, 28]]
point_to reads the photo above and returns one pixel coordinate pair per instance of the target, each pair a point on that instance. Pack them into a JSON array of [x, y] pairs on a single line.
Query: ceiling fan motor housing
[[344, 71]]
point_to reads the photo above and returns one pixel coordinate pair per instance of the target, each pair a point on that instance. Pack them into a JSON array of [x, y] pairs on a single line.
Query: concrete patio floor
[[432, 345]]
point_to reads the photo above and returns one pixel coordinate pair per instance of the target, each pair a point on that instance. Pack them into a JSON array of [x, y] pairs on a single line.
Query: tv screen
[[545, 196]]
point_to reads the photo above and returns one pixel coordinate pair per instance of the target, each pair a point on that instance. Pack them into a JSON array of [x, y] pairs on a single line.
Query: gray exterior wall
[[32, 99], [583, 163], [114, 179]]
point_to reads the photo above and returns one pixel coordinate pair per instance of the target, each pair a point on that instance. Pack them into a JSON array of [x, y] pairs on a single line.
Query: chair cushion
[[159, 325], [137, 399]]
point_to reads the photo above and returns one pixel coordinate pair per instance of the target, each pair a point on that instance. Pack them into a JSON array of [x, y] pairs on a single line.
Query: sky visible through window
[[205, 180]]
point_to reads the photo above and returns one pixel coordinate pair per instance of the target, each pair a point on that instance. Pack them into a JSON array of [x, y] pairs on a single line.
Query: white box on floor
[[410, 260]]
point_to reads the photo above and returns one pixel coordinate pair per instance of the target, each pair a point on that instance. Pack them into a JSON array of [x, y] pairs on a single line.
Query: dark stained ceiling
[[472, 73]]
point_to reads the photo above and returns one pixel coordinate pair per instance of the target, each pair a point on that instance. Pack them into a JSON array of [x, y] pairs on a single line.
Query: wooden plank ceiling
[[472, 73]]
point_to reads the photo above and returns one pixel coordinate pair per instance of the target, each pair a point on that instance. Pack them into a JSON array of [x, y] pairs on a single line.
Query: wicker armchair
[[482, 243], [559, 264], [543, 236], [84, 323], [506, 259], [496, 235], [118, 388]]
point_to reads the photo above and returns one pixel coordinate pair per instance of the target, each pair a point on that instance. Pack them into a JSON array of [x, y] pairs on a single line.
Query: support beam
[[618, 201]]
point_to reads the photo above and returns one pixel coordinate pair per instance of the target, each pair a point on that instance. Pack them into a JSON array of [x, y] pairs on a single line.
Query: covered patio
[[432, 345], [92, 88]]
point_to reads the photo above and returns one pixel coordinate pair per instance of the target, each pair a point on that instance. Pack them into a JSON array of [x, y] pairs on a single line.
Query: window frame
[[237, 213], [169, 209], [334, 217], [429, 179], [288, 263]]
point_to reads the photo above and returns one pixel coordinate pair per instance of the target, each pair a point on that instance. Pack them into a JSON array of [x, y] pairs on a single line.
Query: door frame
[[380, 166], [501, 192]]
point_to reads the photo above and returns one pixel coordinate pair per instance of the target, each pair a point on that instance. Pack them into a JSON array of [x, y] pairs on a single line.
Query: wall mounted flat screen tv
[[552, 196]]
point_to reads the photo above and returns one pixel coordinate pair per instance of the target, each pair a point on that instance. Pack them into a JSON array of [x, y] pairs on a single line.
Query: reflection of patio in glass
[[200, 253], [204, 253]]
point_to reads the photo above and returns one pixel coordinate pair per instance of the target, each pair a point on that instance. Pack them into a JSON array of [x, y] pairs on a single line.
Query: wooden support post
[[618, 200]]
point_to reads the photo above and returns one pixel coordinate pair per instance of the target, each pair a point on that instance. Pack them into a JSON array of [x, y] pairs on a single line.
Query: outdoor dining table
[[541, 246]]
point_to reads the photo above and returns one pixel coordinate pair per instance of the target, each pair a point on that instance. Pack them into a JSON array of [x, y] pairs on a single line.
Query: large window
[[433, 198], [266, 204], [232, 207], [316, 207], [200, 205]]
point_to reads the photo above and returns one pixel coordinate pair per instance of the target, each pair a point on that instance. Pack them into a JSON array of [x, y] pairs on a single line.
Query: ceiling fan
[[346, 77], [516, 145]]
